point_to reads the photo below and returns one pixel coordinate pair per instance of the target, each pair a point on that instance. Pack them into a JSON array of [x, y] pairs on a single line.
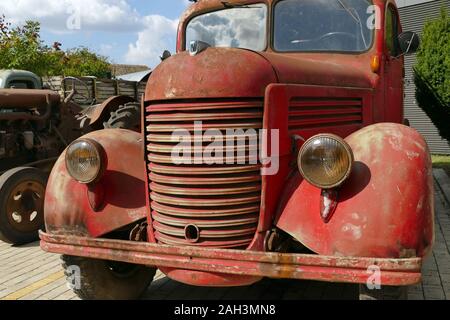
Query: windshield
[[323, 25], [239, 27]]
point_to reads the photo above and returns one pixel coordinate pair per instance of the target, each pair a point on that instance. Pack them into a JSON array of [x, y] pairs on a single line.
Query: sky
[[126, 31]]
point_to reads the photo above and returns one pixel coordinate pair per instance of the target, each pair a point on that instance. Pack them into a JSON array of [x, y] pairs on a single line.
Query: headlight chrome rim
[[99, 153], [348, 151]]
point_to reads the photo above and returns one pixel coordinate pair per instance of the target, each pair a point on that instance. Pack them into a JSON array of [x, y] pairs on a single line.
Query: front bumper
[[393, 272]]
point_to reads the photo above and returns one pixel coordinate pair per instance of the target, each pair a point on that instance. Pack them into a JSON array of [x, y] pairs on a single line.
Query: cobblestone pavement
[[27, 273]]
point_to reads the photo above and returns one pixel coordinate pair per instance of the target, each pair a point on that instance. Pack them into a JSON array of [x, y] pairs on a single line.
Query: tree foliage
[[21, 47], [433, 72]]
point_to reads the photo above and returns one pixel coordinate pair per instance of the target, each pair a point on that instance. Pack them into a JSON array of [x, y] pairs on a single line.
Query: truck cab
[[19, 79], [272, 146]]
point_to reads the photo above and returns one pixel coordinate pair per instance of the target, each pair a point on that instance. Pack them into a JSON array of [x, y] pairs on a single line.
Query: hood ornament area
[[197, 46]]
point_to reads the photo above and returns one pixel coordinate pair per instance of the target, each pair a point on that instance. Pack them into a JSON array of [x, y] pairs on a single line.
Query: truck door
[[394, 68]]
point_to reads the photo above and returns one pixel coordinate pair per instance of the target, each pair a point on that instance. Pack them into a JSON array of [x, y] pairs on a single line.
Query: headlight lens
[[325, 161], [84, 160]]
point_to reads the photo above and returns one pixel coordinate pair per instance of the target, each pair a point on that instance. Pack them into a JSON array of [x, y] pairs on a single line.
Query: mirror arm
[[410, 43], [399, 56]]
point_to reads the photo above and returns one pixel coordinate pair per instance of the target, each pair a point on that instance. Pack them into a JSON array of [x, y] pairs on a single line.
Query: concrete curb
[[443, 182]]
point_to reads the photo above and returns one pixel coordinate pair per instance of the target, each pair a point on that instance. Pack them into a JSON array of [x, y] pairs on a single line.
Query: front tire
[[127, 116], [22, 192], [107, 280], [385, 293]]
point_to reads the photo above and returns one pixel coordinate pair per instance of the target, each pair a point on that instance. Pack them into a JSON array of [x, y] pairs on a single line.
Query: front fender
[[92, 117], [121, 189], [386, 207]]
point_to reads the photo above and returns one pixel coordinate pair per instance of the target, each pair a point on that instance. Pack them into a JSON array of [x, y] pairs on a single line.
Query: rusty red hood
[[216, 72], [327, 69], [231, 73]]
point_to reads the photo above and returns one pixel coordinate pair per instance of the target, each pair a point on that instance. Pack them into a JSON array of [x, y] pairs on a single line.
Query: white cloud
[[159, 35], [154, 33], [94, 15]]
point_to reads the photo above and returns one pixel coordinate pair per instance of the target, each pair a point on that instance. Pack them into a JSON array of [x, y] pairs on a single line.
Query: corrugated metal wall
[[413, 19]]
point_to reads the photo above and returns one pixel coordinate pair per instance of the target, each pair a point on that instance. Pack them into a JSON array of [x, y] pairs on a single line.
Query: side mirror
[[409, 42], [197, 46], [166, 55]]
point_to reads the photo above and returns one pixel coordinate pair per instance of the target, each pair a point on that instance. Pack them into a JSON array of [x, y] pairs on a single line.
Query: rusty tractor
[[273, 145], [35, 127]]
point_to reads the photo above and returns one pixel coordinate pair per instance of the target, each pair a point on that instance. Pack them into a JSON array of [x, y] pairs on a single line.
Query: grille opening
[[192, 233], [214, 203]]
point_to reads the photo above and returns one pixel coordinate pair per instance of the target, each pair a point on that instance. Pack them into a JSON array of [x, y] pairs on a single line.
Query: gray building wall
[[413, 18]]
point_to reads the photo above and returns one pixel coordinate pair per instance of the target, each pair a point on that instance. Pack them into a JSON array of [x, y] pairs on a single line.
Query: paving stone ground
[[28, 273]]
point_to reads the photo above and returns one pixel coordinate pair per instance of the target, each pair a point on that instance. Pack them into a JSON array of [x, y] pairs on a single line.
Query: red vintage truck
[[273, 145]]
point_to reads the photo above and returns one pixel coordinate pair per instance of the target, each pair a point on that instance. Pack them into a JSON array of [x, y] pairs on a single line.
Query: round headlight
[[84, 160], [325, 161]]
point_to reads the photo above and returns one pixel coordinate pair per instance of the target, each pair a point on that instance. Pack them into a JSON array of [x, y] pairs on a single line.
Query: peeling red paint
[[238, 263], [384, 211], [386, 206]]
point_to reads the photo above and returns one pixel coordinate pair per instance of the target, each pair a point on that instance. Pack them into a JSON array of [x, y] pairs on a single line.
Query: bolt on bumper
[[393, 272]]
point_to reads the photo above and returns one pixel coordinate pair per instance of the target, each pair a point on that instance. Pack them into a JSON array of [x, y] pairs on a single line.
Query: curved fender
[[120, 191], [92, 117], [386, 207]]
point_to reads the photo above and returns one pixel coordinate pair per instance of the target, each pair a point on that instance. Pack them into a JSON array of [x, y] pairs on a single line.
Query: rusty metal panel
[[239, 262], [300, 112], [386, 207], [187, 77], [67, 206], [220, 201], [27, 98]]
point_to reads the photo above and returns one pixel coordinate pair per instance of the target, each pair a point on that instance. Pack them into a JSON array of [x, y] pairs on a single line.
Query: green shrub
[[21, 47], [433, 72]]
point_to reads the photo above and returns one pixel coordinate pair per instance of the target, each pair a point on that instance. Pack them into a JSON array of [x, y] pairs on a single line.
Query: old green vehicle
[[19, 79]]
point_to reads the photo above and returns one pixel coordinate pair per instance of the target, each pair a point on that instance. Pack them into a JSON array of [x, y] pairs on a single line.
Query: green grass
[[441, 162]]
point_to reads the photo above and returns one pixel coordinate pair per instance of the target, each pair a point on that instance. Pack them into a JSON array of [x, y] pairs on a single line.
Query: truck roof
[[7, 75], [201, 5]]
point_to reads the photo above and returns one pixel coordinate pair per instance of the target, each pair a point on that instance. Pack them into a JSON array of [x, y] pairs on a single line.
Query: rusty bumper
[[394, 272]]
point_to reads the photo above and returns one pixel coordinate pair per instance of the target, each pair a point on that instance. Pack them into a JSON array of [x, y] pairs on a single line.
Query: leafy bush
[[433, 72], [21, 47]]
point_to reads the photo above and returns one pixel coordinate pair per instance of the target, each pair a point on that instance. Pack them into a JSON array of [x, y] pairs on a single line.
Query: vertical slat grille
[[221, 201]]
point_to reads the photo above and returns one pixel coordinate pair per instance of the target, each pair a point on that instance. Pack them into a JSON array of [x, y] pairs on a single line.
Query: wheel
[[127, 116], [22, 192], [107, 280], [385, 293]]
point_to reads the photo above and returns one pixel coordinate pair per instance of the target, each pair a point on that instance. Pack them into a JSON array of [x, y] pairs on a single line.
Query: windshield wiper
[[349, 11], [355, 17]]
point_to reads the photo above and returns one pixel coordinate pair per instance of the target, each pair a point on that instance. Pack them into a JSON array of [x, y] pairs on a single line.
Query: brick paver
[[28, 273]]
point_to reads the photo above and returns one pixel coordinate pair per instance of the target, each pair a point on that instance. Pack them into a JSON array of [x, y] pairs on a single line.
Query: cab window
[[234, 27], [391, 33], [332, 25], [21, 84]]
